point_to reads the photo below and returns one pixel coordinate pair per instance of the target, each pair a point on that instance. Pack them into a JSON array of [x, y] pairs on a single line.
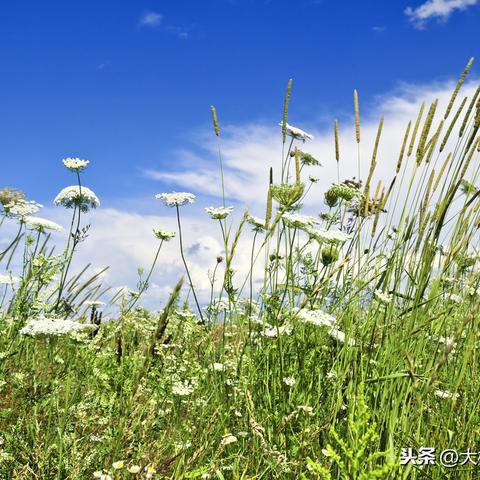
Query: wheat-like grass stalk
[[458, 86]]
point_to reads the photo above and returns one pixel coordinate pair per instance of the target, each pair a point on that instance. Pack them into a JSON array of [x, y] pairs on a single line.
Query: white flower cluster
[[297, 220], [41, 224], [273, 332], [183, 389], [176, 199], [316, 317], [334, 237], [164, 235], [8, 279], [75, 164], [53, 327], [219, 213], [257, 223], [446, 394], [382, 297], [75, 196], [21, 208], [296, 133]]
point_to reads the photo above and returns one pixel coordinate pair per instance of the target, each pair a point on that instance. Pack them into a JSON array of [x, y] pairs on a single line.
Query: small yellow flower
[[228, 438], [150, 471]]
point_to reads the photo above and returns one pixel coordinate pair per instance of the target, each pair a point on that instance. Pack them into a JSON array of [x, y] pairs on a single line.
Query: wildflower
[[289, 381], [150, 471], [305, 158], [313, 178], [340, 191], [329, 236], [219, 367], [446, 394], [76, 196], [338, 335], [219, 213], [134, 468], [94, 303], [453, 297], [306, 409], [102, 476], [297, 220], [257, 223], [176, 199], [330, 255], [316, 317], [164, 235], [287, 194], [273, 332], [20, 208], [331, 375], [182, 389], [41, 224], [118, 465], [382, 297], [75, 164], [296, 133], [8, 279], [53, 327], [228, 439]]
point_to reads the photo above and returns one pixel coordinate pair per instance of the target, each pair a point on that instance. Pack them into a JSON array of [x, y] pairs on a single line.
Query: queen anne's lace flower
[[446, 394], [383, 297], [257, 223], [164, 235], [219, 213], [75, 164], [21, 208], [176, 199], [295, 132], [297, 220], [289, 381], [329, 236], [41, 224], [53, 327], [75, 196], [316, 317]]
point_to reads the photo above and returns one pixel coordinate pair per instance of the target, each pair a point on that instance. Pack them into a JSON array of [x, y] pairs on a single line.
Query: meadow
[[356, 359]]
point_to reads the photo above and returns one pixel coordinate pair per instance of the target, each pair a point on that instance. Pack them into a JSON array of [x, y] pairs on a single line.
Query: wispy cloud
[[150, 19], [436, 9]]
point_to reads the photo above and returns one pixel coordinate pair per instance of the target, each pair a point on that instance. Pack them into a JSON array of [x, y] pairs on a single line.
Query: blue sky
[[126, 84]]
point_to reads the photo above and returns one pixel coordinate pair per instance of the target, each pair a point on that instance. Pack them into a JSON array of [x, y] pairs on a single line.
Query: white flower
[[164, 235], [272, 332], [182, 389], [295, 132], [118, 465], [453, 297], [176, 199], [219, 367], [53, 327], [75, 164], [228, 439], [257, 223], [338, 335], [383, 297], [316, 317], [8, 279], [306, 409], [289, 381], [41, 224], [331, 375], [219, 213], [75, 196], [329, 236], [297, 220], [134, 468], [21, 208], [94, 303], [446, 394]]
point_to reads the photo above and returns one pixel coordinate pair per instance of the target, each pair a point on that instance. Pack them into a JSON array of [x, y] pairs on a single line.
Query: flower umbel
[[164, 235], [176, 199], [219, 213], [75, 164], [75, 196]]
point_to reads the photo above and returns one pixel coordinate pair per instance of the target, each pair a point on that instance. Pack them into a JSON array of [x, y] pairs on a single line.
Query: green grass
[[265, 385]]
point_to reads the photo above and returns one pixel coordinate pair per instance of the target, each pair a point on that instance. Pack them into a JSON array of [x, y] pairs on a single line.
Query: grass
[[363, 340]]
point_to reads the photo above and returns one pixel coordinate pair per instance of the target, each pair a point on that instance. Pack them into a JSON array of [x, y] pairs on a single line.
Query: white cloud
[[439, 9], [150, 19]]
